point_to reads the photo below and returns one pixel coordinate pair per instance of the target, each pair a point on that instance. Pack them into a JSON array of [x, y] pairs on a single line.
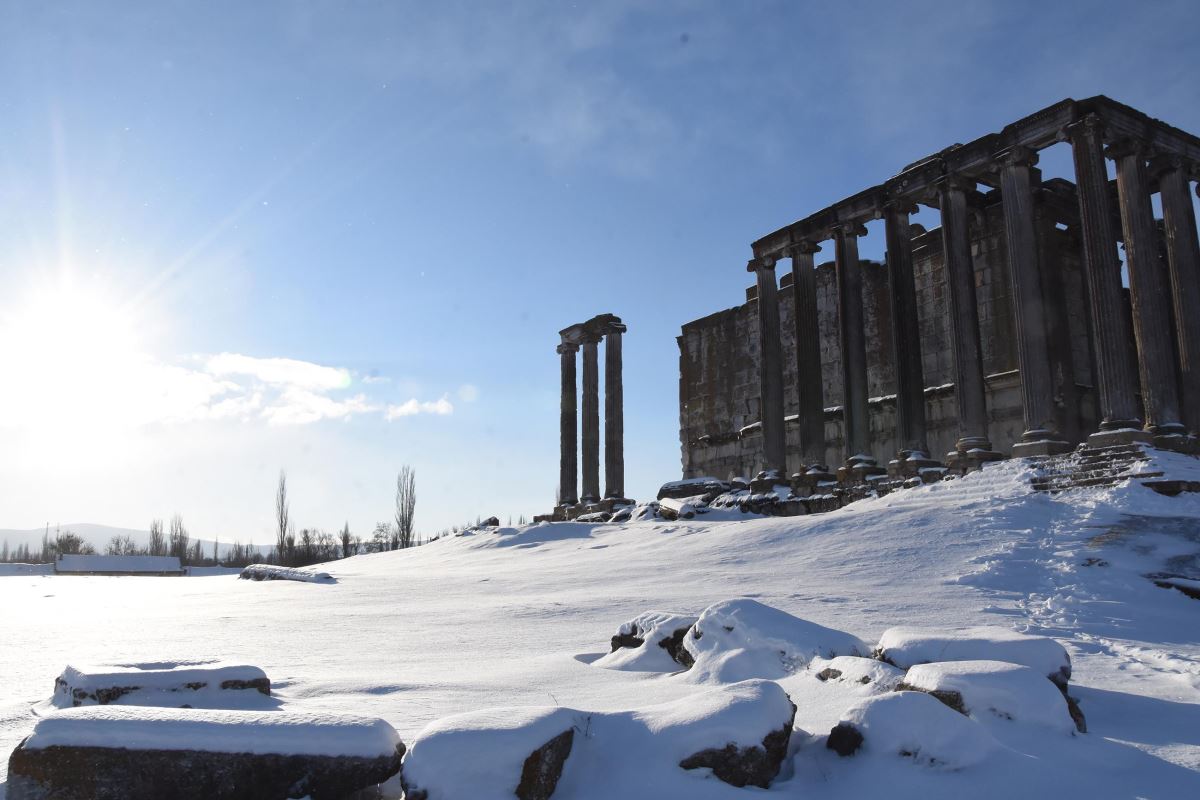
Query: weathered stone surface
[[543, 768], [746, 766], [102, 773], [844, 739], [948, 698]]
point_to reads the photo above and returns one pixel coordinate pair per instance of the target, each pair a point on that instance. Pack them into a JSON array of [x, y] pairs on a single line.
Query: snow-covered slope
[[515, 617]]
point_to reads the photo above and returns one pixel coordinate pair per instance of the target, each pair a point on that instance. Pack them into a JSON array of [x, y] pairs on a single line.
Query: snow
[[997, 690], [148, 678], [905, 646], [918, 726], [738, 639], [219, 731], [627, 753], [857, 670], [652, 627], [519, 619], [152, 564], [271, 572]]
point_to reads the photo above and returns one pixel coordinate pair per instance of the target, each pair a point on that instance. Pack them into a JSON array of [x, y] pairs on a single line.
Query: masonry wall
[[718, 385]]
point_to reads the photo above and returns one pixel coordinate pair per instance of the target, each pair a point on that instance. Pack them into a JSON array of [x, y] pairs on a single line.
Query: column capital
[[591, 337], [1126, 147], [1018, 156], [1166, 162], [900, 205], [566, 347], [850, 229], [955, 181], [1088, 125], [803, 247], [756, 264]]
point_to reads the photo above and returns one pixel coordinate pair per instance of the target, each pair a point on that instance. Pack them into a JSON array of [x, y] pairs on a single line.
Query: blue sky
[[341, 237]]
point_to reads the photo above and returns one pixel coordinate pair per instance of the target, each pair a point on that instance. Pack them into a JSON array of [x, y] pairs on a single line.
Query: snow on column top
[[270, 732]]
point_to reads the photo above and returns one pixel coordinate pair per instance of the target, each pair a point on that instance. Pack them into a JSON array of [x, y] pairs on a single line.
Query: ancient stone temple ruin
[[571, 503], [1012, 328]]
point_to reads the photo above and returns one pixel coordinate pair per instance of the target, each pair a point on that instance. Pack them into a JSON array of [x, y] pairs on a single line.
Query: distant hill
[[98, 536]]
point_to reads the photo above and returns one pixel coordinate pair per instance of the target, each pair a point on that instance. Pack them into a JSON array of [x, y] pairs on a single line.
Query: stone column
[[852, 337], [1041, 435], [770, 367], [809, 387], [906, 336], [1183, 256], [973, 446], [1149, 291], [568, 470], [614, 416], [1110, 330], [591, 419]]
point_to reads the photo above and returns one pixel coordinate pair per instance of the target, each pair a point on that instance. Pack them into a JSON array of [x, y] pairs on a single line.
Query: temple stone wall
[[719, 369]]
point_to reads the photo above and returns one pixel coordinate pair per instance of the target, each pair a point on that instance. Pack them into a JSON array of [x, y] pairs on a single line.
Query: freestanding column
[[969, 389], [1041, 435], [770, 366], [1183, 255], [1110, 330], [808, 355], [906, 335], [568, 471], [591, 419], [852, 336], [614, 415], [1148, 290]]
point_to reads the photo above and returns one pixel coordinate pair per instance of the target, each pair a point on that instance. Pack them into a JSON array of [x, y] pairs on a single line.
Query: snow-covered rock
[[739, 639], [271, 572], [857, 670], [190, 754], [739, 732], [906, 647], [914, 725], [101, 685], [987, 690], [650, 642]]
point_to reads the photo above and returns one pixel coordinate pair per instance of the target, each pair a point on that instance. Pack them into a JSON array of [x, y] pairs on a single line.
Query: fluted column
[[591, 419], [906, 335], [614, 416], [969, 389], [568, 470], [1183, 256], [809, 387], [1115, 382], [853, 340], [1149, 291], [770, 366], [1041, 436]]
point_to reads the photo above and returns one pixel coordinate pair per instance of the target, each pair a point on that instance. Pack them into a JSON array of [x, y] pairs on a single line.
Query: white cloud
[[282, 371], [412, 407], [297, 406]]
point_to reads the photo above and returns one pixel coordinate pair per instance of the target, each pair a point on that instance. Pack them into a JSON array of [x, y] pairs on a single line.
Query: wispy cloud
[[279, 371], [412, 407]]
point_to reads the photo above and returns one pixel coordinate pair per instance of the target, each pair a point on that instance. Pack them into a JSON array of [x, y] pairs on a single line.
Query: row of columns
[[1169, 370], [587, 337]]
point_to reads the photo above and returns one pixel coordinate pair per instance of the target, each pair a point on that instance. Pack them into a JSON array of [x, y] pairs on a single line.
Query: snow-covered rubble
[[271, 572], [908, 646], [739, 733], [857, 670], [989, 690], [739, 639], [650, 642], [148, 684]]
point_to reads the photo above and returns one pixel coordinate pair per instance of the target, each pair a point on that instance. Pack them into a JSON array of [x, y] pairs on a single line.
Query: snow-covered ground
[[517, 617]]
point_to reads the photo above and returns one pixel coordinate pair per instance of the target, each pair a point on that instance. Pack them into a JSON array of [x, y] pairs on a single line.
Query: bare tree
[[121, 545], [178, 539], [346, 541], [158, 543], [406, 504], [282, 518]]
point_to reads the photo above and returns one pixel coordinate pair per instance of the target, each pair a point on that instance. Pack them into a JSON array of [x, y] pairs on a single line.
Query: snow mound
[[857, 670], [481, 755], [906, 647], [996, 690], [916, 725], [271, 572], [650, 642], [101, 685], [270, 732], [735, 640]]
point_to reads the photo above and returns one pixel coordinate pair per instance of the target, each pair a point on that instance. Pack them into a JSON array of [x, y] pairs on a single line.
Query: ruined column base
[[1043, 447], [858, 470], [1121, 436], [1180, 443], [814, 480], [917, 465], [971, 460]]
